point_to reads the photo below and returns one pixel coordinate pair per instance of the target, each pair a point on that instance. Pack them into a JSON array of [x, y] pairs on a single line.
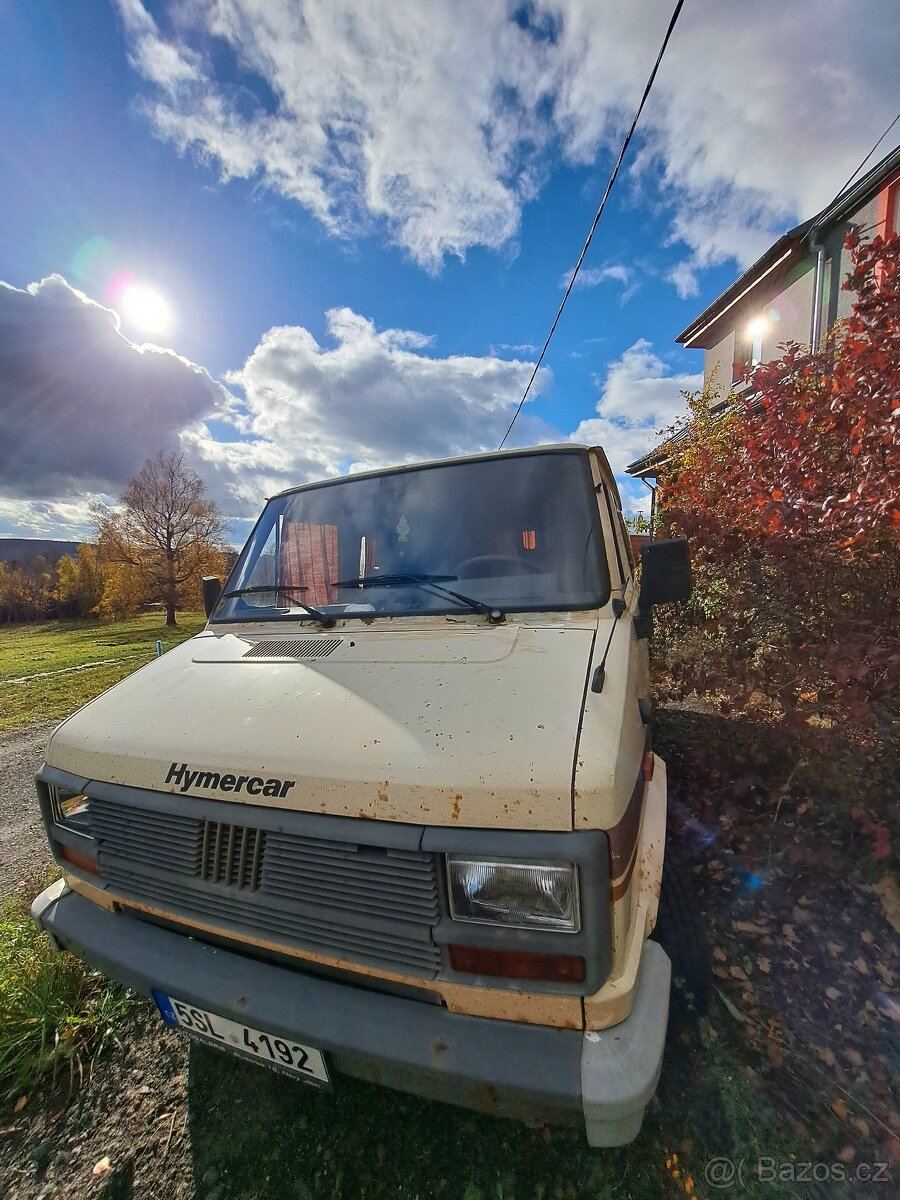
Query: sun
[[145, 307]]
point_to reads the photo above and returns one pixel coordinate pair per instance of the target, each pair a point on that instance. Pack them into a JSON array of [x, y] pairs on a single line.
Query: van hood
[[474, 726]]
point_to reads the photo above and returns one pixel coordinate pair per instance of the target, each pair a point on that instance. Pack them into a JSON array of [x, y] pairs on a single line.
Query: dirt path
[[23, 847]]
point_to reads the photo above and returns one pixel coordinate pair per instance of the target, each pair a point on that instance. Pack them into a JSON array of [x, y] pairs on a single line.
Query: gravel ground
[[23, 846]]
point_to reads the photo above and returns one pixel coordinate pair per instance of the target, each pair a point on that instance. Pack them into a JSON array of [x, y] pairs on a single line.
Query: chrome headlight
[[70, 811], [518, 895]]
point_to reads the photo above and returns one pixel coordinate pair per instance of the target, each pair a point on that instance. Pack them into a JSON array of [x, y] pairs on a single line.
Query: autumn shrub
[[791, 501]]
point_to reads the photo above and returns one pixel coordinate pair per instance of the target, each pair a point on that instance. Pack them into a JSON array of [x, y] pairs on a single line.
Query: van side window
[[626, 540], [623, 559]]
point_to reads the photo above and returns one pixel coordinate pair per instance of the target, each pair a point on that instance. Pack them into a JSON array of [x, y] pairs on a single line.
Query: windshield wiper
[[316, 613], [427, 583]]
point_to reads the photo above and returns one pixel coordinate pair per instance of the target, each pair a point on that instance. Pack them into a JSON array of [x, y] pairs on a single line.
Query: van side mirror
[[665, 578], [212, 590]]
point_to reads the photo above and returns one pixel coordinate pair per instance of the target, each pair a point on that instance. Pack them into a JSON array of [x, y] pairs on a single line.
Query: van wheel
[[681, 933]]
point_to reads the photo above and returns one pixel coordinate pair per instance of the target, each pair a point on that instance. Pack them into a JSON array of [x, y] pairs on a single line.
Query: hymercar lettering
[[180, 774]]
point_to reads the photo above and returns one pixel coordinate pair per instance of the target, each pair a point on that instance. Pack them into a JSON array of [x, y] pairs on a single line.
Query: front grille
[[370, 904]]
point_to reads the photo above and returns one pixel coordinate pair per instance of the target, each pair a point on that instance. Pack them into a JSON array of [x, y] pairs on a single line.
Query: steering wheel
[[487, 564]]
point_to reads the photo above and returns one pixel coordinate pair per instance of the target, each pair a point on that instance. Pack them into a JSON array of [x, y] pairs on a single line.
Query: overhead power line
[[599, 213], [869, 155]]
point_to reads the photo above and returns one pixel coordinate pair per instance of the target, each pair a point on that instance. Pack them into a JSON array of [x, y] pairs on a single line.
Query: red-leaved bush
[[791, 501]]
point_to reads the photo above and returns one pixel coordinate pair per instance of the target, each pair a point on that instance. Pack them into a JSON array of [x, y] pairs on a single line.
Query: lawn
[[49, 670]]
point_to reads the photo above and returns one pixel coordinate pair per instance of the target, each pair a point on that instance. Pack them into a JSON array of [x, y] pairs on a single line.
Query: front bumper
[[528, 1072]]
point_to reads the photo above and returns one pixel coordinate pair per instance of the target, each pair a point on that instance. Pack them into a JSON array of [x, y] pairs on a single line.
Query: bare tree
[[165, 526]]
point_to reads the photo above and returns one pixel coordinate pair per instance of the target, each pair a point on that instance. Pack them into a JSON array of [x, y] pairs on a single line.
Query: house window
[[743, 358], [747, 348], [887, 218]]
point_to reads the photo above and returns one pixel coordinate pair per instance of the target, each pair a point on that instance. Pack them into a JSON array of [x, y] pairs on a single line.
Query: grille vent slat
[[298, 647], [423, 957], [349, 900], [231, 855]]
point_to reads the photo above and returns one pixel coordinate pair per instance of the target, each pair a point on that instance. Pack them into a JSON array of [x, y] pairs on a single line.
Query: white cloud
[[437, 119], [592, 276], [639, 396], [684, 278], [68, 521], [370, 399]]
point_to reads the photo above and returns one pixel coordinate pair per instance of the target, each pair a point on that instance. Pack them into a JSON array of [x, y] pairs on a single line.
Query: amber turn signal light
[[648, 766], [77, 859], [517, 964]]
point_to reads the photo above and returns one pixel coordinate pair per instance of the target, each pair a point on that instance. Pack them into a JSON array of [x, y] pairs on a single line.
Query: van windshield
[[520, 533]]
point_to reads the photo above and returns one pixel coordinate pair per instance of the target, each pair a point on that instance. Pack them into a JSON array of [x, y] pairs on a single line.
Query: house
[[791, 294]]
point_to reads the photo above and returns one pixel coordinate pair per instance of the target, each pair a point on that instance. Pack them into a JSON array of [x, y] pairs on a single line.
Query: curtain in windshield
[[309, 560]]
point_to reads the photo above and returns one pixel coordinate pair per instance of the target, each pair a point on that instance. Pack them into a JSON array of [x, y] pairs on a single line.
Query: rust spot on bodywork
[[454, 808], [383, 797]]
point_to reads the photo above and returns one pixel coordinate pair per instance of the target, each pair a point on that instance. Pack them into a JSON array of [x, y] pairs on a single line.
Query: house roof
[[792, 246]]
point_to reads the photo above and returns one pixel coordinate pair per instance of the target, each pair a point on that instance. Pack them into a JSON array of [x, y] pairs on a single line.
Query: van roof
[[556, 448]]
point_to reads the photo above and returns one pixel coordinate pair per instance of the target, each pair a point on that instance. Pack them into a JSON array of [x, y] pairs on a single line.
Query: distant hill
[[23, 550]]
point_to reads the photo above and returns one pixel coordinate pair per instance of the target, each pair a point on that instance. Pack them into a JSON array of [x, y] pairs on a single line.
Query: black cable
[[869, 155], [609, 186]]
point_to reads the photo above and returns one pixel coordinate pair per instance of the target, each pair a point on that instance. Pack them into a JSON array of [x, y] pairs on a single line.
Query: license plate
[[282, 1054]]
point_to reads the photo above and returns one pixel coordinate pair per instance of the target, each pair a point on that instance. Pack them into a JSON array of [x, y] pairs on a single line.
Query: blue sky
[[361, 217]]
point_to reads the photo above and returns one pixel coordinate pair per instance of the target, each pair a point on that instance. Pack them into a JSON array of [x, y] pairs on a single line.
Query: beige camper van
[[395, 812]]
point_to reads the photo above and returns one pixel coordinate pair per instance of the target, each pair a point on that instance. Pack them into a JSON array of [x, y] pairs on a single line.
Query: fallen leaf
[[835, 949], [852, 1056], [861, 1125], [719, 954], [867, 936], [20, 1104], [738, 973], [832, 993], [102, 1167], [889, 894], [732, 1010], [826, 1055], [839, 1108], [764, 964], [847, 1155], [861, 965]]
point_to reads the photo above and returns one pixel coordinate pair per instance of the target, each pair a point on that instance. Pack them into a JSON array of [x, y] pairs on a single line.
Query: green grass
[[33, 652], [55, 1014]]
